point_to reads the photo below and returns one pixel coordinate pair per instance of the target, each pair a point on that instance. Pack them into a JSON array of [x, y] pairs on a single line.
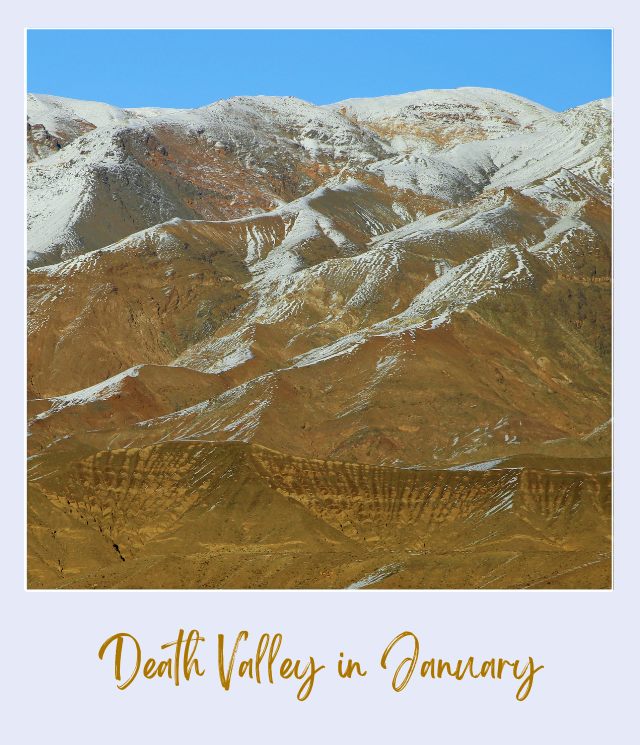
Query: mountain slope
[[233, 515], [418, 282]]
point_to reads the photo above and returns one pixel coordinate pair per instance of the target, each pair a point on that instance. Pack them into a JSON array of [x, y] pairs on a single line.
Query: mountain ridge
[[419, 284]]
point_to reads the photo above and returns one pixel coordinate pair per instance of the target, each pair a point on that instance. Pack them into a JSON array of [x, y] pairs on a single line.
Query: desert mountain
[[415, 289]]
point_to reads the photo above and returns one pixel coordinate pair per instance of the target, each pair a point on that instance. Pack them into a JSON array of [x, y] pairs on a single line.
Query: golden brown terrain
[[200, 514], [278, 345]]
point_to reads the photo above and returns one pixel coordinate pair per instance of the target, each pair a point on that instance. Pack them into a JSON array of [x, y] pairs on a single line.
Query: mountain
[[414, 288]]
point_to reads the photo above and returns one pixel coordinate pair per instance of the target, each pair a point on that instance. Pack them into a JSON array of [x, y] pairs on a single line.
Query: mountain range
[[274, 344]]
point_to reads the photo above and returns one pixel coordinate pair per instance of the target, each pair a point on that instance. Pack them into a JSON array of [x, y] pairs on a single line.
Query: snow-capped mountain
[[416, 281]]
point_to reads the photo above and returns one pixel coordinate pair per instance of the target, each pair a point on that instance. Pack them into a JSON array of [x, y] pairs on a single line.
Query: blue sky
[[560, 69]]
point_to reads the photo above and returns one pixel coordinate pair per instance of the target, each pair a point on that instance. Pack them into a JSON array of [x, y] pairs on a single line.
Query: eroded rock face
[[227, 502], [385, 293]]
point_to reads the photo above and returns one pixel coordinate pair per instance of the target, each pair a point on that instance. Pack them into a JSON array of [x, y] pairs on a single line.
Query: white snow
[[486, 465], [377, 576], [58, 114], [518, 144], [98, 392]]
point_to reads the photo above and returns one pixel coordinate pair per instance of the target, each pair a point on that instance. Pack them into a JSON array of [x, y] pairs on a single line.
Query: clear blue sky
[[560, 69]]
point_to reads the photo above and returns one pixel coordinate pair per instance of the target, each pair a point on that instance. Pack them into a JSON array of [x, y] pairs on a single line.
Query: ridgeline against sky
[[186, 69]]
